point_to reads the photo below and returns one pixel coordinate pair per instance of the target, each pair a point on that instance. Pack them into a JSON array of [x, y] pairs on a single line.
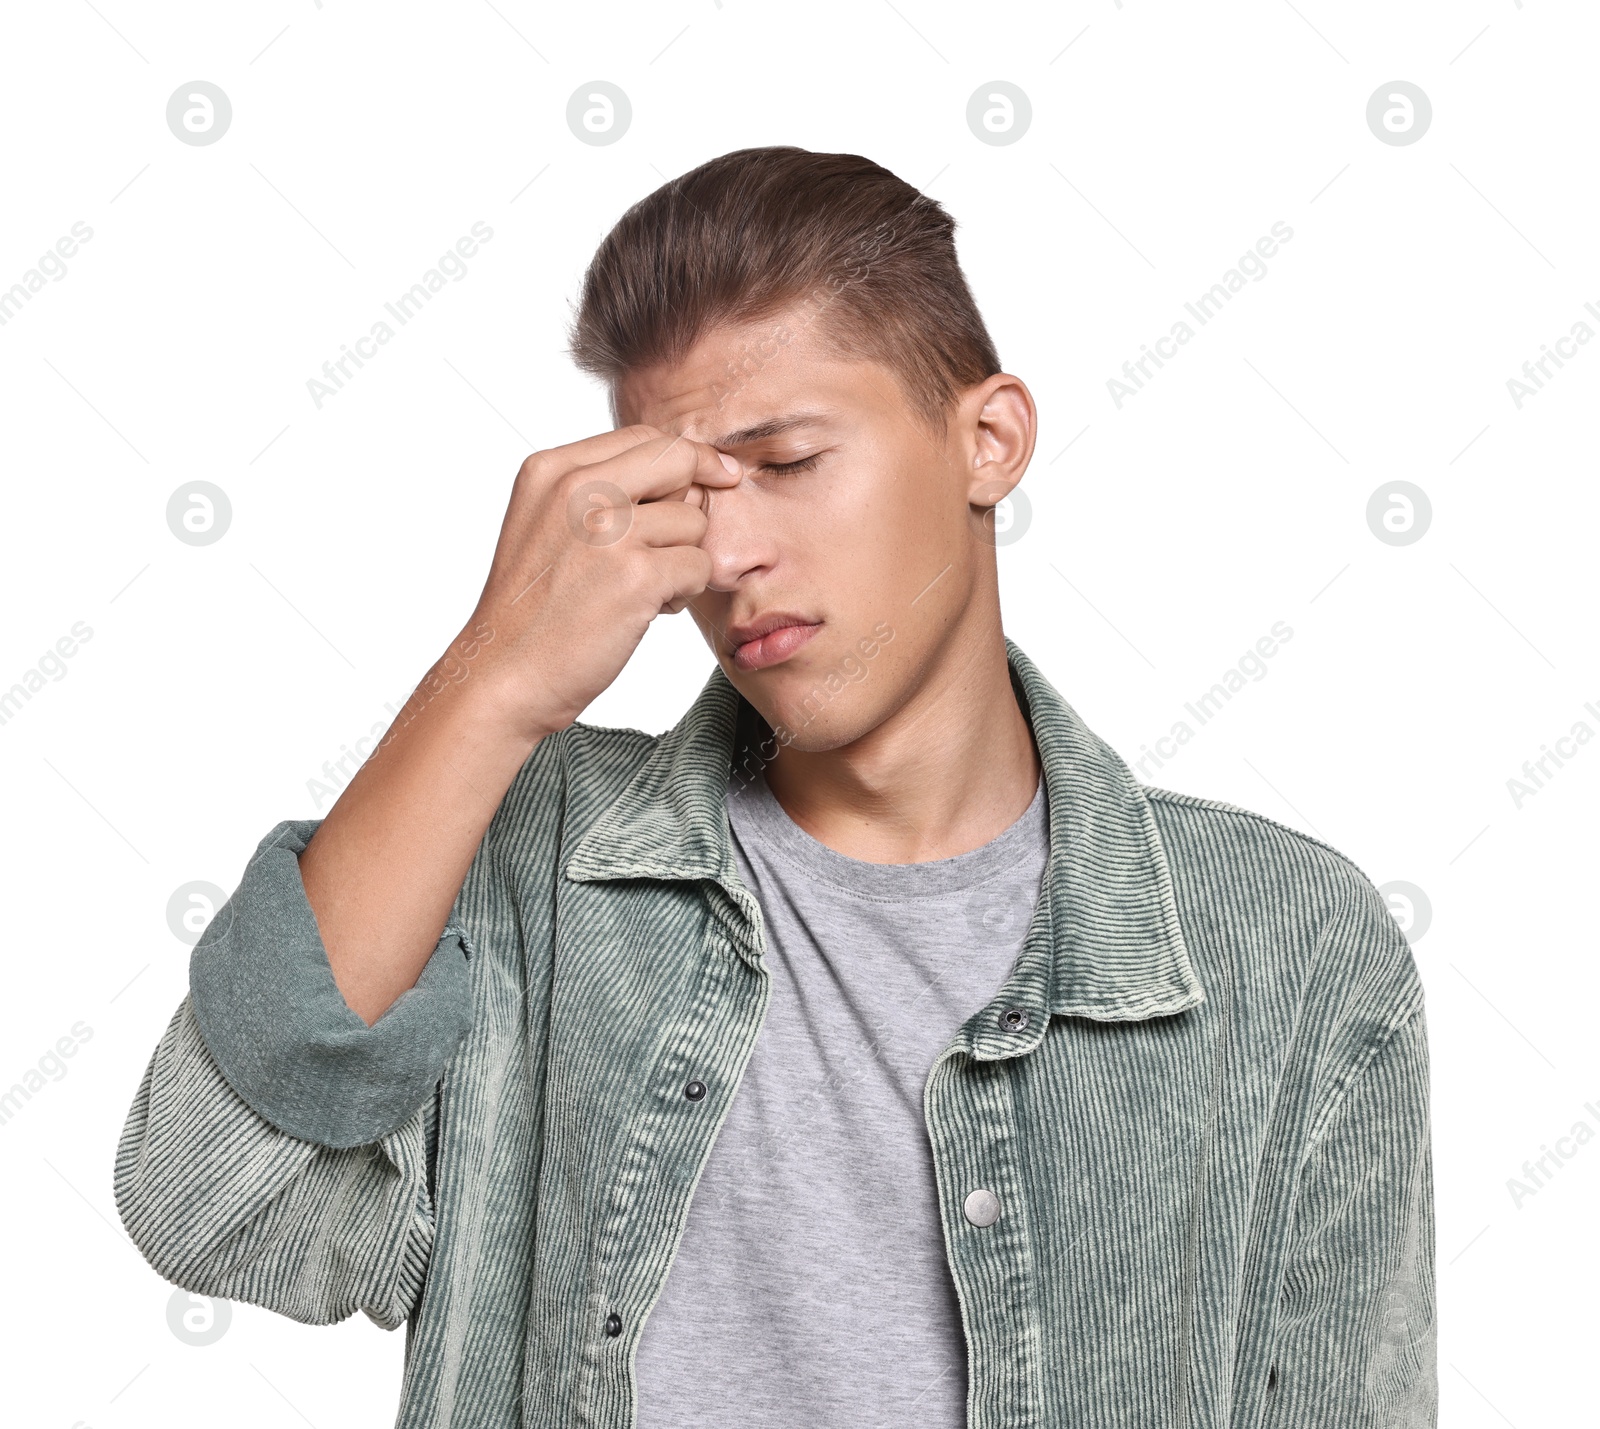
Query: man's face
[[849, 556]]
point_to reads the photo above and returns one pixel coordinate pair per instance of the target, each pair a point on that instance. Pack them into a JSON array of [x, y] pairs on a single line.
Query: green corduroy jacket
[[1208, 1139]]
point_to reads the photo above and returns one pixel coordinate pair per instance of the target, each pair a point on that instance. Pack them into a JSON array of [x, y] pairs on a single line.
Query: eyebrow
[[772, 427]]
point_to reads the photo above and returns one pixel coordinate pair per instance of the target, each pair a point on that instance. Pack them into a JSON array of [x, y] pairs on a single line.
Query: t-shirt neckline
[[755, 813]]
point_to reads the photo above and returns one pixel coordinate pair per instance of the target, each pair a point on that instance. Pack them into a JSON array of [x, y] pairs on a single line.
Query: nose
[[738, 538]]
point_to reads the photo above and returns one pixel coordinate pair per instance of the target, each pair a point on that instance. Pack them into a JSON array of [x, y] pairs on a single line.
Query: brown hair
[[754, 232]]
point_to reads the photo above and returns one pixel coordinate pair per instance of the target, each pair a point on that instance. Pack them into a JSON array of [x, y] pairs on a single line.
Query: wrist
[[489, 691]]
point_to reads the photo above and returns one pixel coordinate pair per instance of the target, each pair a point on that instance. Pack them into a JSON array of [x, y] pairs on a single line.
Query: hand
[[600, 537]]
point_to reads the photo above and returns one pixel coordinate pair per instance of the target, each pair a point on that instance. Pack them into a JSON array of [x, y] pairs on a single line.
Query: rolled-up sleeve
[[273, 1018], [223, 1203]]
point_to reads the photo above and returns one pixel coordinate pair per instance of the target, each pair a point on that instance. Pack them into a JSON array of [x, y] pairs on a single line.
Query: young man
[[870, 1048]]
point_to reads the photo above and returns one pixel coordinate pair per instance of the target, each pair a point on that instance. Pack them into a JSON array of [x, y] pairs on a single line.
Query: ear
[[1002, 425]]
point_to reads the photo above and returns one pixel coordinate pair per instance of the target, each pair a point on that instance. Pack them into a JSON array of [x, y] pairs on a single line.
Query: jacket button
[[982, 1207], [1014, 1019], [695, 1091], [613, 1323]]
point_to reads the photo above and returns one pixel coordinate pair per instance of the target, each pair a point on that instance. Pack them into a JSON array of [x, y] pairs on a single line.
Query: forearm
[[383, 869]]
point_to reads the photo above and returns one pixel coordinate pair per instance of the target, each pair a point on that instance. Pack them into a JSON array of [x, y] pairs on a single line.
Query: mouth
[[770, 640]]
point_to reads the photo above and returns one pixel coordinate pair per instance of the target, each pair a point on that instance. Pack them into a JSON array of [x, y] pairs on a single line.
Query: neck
[[952, 768]]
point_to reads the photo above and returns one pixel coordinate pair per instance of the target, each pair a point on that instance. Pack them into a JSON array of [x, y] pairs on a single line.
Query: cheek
[[822, 525], [858, 548], [897, 508], [868, 534], [916, 527]]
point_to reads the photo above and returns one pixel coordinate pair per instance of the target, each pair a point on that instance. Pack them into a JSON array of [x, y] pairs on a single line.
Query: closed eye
[[792, 468]]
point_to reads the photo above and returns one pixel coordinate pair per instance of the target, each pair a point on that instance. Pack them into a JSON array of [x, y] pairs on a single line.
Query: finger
[[686, 571], [692, 495], [602, 446], [668, 523], [665, 466]]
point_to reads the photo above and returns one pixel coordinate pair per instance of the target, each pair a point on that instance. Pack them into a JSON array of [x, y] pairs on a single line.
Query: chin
[[810, 717], [817, 738], [828, 695]]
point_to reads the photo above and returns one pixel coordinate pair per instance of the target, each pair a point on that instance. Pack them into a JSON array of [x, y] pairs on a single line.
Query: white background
[[1166, 536]]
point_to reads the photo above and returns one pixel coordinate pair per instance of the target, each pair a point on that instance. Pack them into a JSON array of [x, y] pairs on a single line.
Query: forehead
[[740, 385]]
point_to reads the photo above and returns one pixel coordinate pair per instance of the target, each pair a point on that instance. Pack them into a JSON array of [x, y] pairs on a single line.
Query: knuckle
[[597, 512], [535, 467], [639, 573]]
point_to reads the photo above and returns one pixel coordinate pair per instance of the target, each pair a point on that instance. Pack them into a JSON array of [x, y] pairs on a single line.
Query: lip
[[769, 640]]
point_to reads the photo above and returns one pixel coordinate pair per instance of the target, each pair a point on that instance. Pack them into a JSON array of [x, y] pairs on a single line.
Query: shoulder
[[1226, 837], [1290, 908]]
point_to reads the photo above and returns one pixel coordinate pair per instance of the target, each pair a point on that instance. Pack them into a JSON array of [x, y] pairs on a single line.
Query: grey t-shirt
[[811, 1285]]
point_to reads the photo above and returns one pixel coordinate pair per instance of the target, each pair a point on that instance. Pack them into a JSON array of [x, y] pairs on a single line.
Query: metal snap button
[[613, 1323], [695, 1091], [1014, 1019], [982, 1207]]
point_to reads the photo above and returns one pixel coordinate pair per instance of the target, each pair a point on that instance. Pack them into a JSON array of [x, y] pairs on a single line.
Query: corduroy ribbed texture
[[1209, 1143]]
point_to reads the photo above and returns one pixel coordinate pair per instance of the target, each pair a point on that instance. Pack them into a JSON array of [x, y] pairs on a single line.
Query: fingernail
[[730, 463]]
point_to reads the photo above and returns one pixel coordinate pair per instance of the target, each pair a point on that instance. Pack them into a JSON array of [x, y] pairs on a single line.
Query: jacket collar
[[1105, 941]]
